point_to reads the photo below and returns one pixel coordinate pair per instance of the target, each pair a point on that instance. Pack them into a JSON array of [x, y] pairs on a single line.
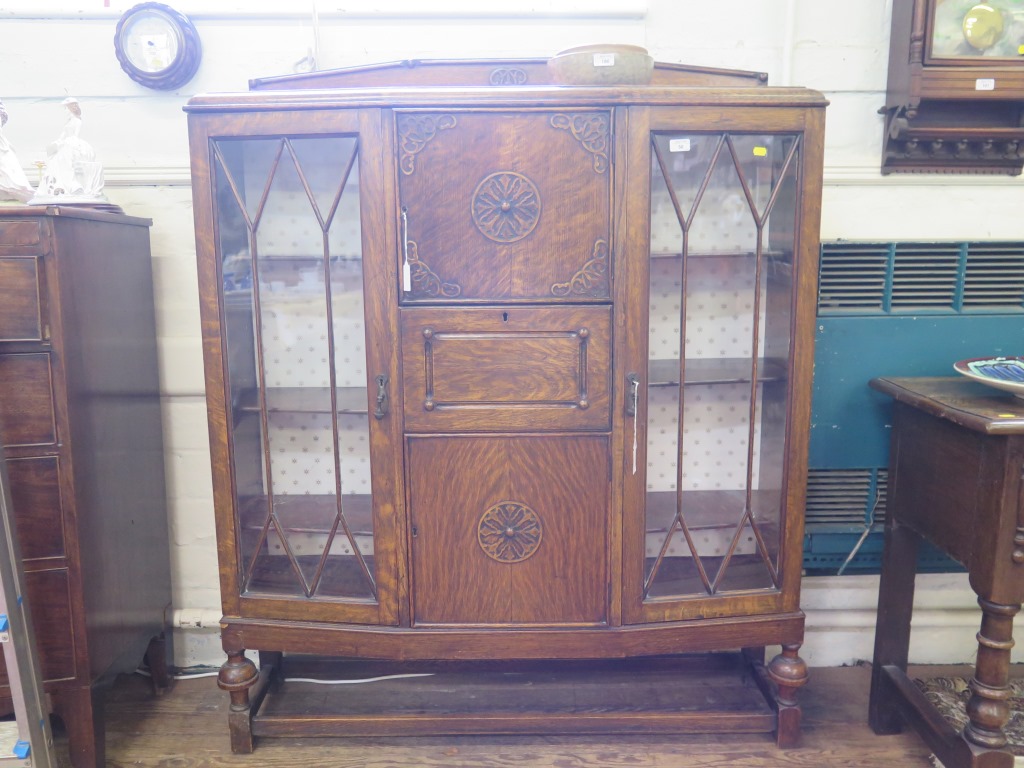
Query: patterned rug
[[950, 695]]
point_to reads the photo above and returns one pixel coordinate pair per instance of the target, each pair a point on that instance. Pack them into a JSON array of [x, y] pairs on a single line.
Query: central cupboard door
[[509, 530], [505, 205]]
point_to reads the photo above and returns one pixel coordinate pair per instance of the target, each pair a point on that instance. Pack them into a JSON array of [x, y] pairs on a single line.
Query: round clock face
[[969, 29], [157, 46], [151, 41]]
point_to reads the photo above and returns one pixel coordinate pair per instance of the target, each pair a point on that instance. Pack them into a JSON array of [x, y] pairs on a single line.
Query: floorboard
[[187, 728]]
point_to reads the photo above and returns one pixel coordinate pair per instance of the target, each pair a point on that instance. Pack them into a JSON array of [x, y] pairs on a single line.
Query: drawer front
[[22, 236], [50, 597], [39, 514], [524, 215], [27, 414], [21, 299], [509, 530], [513, 368]]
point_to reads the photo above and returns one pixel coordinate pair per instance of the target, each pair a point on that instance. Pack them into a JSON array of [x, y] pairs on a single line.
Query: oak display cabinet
[[500, 371]]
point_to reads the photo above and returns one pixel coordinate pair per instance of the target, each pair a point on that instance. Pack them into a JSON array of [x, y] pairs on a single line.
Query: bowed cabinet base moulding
[[693, 693], [509, 382]]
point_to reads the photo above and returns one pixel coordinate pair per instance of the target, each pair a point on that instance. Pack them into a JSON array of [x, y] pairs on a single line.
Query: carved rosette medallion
[[592, 277], [509, 532], [590, 129], [506, 207], [415, 132], [507, 76], [425, 281]]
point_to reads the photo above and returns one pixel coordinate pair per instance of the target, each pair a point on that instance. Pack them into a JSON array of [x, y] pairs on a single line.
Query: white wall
[[838, 48]]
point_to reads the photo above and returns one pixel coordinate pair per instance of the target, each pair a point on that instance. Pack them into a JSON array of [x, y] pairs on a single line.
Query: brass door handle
[[382, 397], [633, 398]]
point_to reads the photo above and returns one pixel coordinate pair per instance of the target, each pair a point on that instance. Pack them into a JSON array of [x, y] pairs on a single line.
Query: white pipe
[[196, 618], [788, 42]]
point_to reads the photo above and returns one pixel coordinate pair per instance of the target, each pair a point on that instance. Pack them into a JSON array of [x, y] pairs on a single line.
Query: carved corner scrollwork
[[590, 129], [507, 76], [592, 277], [425, 281], [415, 132], [509, 532]]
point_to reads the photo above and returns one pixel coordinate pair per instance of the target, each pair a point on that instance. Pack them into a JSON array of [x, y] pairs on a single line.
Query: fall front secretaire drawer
[[21, 299], [505, 206], [506, 368]]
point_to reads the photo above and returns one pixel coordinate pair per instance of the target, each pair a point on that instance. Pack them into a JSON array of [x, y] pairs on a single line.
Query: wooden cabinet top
[[504, 82], [72, 212], [964, 402], [511, 96]]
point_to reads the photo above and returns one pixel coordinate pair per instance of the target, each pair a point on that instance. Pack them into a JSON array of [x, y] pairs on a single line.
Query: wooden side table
[[955, 478]]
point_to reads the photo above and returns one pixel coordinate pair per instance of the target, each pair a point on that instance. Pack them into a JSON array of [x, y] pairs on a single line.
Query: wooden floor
[[188, 727]]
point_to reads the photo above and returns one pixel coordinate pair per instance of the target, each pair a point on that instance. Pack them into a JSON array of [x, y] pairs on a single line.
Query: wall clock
[[955, 98], [157, 46]]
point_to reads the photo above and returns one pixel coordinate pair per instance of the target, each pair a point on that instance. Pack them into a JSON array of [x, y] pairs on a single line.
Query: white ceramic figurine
[[72, 174], [13, 182]]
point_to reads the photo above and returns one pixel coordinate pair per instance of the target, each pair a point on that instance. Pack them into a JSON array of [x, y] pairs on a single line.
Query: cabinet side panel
[[109, 331]]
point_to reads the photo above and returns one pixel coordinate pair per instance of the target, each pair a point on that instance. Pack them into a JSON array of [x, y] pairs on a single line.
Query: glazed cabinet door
[[298, 305], [716, 391]]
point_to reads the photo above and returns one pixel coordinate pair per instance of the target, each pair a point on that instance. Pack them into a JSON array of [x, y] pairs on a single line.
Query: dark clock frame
[[936, 118], [185, 64]]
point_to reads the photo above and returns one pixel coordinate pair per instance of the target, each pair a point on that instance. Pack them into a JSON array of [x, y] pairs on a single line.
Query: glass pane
[[719, 303], [296, 347], [967, 28]]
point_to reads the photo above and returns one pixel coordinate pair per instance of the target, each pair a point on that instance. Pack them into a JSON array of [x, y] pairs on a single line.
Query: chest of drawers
[[81, 429]]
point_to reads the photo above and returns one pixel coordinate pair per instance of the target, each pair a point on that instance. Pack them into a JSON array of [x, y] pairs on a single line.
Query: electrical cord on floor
[[870, 527], [181, 675], [317, 681]]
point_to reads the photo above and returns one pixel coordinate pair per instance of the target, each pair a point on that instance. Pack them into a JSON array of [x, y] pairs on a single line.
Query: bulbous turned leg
[[789, 673], [988, 709], [237, 675]]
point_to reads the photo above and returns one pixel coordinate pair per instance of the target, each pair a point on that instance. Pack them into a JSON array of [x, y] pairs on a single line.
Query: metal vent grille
[[936, 278], [994, 276], [845, 497], [924, 275], [853, 276]]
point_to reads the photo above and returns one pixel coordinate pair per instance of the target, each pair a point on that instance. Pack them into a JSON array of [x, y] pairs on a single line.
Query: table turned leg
[[989, 706]]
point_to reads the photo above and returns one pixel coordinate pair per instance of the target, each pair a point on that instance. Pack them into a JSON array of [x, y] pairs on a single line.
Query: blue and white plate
[[1006, 373]]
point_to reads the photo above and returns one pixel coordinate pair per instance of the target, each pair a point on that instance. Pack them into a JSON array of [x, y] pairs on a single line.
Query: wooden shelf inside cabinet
[[306, 513], [775, 256], [350, 400], [724, 370], [719, 531], [702, 509], [778, 263], [310, 524]]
